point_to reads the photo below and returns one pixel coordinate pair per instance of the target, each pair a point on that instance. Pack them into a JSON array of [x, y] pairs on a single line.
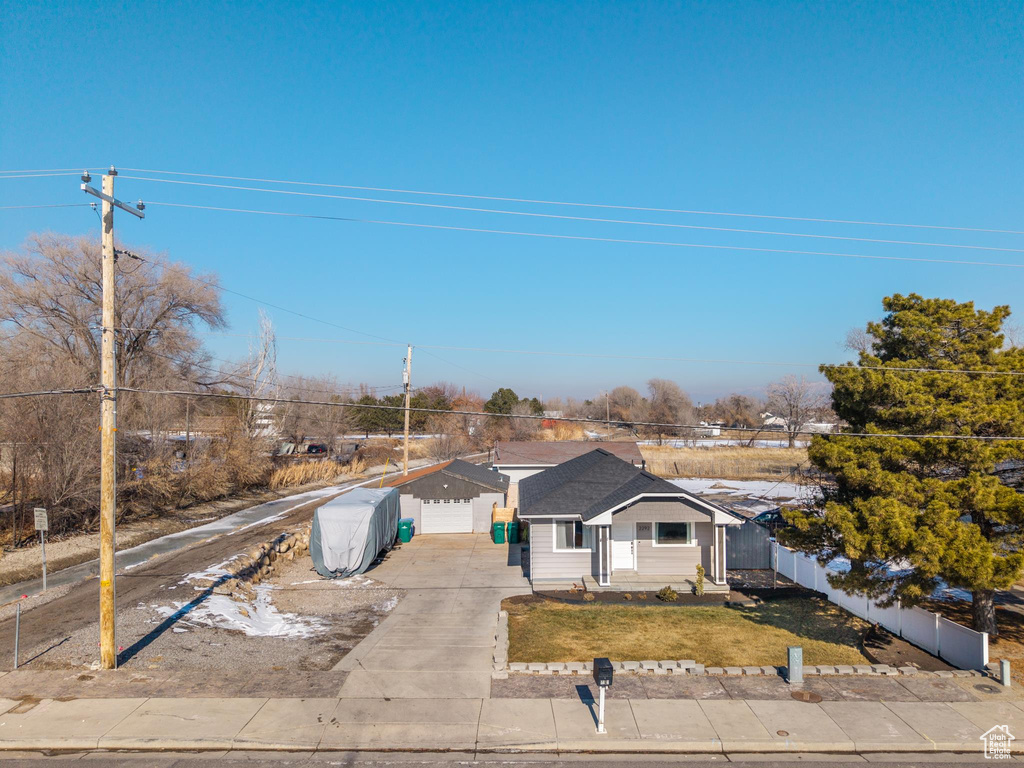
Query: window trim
[[691, 539], [554, 535]]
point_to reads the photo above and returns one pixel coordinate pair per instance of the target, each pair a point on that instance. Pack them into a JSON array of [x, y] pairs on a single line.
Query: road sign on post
[[42, 525]]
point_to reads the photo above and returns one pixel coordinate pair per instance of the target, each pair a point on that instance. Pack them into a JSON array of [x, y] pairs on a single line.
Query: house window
[[673, 535], [568, 535]]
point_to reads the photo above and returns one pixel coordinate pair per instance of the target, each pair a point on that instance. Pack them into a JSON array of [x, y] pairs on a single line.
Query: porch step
[[650, 583]]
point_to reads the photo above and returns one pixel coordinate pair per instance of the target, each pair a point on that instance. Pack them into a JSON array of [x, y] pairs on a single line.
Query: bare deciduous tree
[[669, 404], [795, 401]]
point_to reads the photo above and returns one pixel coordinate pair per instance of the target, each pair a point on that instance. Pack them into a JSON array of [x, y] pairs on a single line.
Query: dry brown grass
[[302, 472], [711, 635], [726, 462]]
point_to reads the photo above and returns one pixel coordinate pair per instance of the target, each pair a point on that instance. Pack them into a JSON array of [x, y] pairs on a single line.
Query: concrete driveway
[[438, 643]]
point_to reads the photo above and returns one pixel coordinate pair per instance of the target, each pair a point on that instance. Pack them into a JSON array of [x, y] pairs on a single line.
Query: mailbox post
[[603, 674]]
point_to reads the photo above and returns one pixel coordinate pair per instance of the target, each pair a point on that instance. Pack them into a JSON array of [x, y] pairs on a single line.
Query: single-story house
[[603, 522], [520, 459], [456, 497]]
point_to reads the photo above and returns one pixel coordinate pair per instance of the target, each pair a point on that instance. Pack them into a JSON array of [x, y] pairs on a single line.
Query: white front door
[[446, 516], [623, 547]]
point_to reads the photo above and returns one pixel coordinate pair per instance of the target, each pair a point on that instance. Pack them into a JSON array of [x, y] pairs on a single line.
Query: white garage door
[[446, 515]]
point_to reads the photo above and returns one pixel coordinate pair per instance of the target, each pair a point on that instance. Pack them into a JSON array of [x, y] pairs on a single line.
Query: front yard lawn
[[717, 636]]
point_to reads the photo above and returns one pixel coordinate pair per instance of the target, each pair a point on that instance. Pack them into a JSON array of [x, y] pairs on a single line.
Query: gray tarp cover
[[349, 531]]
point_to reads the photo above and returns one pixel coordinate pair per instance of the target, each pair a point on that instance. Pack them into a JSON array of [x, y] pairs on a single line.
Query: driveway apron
[[439, 641]]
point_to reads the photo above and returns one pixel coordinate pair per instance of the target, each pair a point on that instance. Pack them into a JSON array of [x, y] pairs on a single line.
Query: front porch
[[630, 581]]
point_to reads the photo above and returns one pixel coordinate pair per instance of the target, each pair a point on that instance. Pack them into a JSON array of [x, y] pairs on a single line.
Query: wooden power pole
[[108, 417], [406, 380]]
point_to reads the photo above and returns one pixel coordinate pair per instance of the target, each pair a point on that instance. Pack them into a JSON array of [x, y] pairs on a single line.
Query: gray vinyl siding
[[674, 560], [482, 506], [551, 565], [409, 506]]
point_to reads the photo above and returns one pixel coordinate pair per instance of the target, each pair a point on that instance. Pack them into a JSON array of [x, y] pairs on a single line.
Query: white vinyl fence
[[960, 646]]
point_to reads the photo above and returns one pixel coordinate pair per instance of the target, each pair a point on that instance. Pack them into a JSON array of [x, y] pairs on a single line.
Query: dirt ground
[[297, 621]]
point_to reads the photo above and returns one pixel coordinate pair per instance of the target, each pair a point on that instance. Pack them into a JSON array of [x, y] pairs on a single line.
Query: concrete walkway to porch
[[439, 641]]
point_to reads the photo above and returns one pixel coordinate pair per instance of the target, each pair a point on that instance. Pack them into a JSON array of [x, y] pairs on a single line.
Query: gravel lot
[[298, 621]]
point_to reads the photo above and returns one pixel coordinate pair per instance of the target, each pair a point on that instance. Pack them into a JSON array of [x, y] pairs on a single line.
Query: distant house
[[456, 497], [602, 521], [520, 459]]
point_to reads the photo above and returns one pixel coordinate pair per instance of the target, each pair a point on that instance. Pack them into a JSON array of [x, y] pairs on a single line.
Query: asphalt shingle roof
[[477, 473], [474, 473], [587, 486], [558, 451]]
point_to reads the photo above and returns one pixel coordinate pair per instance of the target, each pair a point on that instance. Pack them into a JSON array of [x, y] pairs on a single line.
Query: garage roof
[[464, 470], [550, 453]]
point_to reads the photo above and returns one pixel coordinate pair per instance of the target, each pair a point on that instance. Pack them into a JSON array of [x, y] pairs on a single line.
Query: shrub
[[667, 594], [698, 585], [588, 596], [641, 595], [627, 596]]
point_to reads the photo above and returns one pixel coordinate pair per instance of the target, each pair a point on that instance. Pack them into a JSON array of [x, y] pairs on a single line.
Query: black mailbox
[[602, 672]]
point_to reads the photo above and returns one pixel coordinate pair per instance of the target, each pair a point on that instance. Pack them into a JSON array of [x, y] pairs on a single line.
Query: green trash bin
[[405, 529], [498, 530], [513, 532]]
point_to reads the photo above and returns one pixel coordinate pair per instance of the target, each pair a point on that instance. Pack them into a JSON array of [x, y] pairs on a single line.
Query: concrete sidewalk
[[483, 725]]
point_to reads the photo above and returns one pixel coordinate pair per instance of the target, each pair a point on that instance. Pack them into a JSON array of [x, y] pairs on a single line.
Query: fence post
[[938, 636]]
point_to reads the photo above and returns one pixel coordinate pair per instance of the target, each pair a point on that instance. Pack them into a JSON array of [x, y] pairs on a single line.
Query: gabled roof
[[473, 473], [476, 473], [594, 483], [549, 453]]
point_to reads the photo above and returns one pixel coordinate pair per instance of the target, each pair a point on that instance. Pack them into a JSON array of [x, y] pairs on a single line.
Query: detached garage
[[456, 497]]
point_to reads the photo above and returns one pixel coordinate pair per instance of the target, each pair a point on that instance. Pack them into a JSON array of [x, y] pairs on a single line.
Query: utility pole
[[108, 416], [406, 379]]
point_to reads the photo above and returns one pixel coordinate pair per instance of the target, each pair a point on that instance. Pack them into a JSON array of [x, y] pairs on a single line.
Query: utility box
[[603, 672]]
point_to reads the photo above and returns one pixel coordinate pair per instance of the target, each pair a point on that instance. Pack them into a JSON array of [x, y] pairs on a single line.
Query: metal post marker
[[42, 525], [17, 632], [603, 677]]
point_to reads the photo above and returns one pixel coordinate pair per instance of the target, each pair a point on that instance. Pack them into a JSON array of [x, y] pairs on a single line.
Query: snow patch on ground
[[752, 489], [265, 520], [388, 605], [263, 619], [357, 580], [723, 441]]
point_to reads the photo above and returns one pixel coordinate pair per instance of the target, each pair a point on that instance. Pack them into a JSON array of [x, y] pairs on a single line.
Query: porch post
[[722, 569], [606, 551], [714, 552]]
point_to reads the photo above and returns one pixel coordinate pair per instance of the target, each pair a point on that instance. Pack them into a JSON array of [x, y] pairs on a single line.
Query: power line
[[612, 356], [56, 170], [576, 419], [41, 393], [55, 205], [625, 241], [38, 175], [583, 205], [590, 219]]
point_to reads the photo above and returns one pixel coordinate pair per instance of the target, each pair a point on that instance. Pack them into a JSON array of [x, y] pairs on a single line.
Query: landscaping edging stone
[[690, 667], [255, 565]]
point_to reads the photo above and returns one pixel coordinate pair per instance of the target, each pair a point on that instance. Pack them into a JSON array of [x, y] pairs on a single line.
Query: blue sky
[[895, 112]]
